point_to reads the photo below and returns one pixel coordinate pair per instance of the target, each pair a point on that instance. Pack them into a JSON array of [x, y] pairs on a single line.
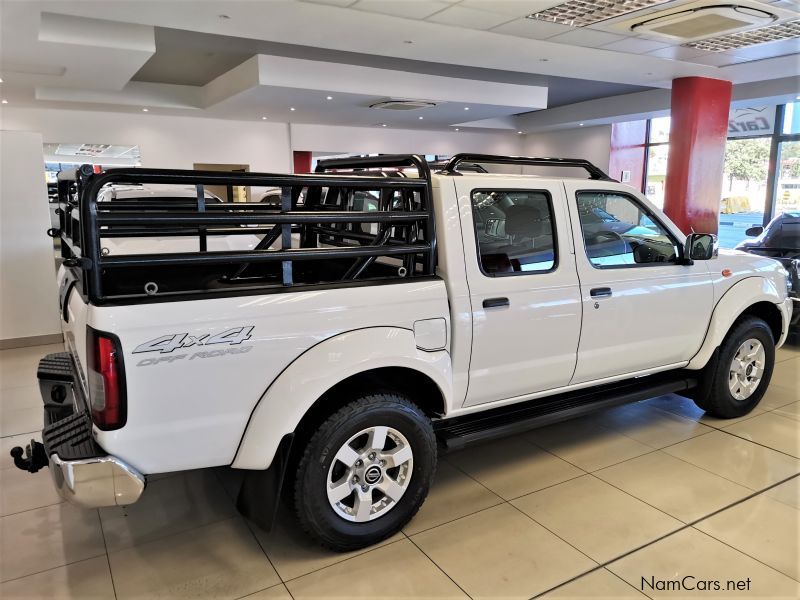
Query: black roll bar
[[381, 161], [392, 161], [84, 222]]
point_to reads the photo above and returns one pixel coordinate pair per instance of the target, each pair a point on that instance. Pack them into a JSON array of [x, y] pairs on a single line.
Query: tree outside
[[746, 161]]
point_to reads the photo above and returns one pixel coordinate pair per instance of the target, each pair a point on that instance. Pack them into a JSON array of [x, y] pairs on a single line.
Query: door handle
[[603, 292], [495, 302]]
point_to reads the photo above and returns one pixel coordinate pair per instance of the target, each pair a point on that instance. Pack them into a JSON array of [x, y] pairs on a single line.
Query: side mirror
[[701, 246], [754, 231]]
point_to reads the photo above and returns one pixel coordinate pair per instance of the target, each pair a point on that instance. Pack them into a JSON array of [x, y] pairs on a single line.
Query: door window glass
[[515, 231], [618, 231]]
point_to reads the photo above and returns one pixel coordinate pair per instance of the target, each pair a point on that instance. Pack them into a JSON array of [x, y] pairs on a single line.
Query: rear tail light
[[107, 400]]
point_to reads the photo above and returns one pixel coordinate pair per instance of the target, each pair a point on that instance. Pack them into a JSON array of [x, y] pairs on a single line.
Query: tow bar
[[34, 457]]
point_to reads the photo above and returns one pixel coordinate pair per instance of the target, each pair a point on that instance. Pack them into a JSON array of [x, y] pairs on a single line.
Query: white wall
[[28, 294], [179, 142], [371, 140], [591, 143], [164, 141]]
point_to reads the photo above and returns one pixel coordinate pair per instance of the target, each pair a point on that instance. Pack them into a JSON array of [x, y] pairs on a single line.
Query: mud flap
[[704, 381], [260, 494]]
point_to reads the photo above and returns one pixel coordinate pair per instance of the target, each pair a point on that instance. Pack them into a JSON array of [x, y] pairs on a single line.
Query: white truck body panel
[[622, 333], [210, 391], [542, 306]]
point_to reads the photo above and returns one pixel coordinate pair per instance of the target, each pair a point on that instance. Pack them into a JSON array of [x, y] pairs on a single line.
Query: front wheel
[[742, 374], [365, 472]]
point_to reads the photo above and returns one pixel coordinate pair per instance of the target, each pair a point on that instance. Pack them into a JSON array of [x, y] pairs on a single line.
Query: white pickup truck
[[385, 314]]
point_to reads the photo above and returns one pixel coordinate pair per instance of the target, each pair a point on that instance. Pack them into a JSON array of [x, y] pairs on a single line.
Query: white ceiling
[[84, 53]]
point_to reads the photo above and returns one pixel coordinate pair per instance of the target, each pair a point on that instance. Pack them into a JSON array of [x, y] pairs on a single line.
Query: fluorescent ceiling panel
[[743, 39], [580, 13]]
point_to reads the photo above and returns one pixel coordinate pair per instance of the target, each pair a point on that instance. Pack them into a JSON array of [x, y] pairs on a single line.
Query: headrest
[[526, 221]]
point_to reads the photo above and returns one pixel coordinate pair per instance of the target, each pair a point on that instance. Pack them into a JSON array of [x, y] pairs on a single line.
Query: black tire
[[718, 401], [314, 511]]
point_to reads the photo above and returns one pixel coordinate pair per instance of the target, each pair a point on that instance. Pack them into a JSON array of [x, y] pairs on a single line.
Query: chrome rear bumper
[[96, 482], [83, 473]]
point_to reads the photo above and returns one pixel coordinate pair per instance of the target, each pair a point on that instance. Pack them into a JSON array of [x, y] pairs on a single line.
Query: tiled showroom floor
[[651, 490]]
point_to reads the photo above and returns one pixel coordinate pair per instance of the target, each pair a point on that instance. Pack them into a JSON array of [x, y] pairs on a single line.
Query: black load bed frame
[[406, 233]]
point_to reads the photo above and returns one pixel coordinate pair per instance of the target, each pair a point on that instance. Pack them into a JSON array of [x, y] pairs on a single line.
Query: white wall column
[[28, 294]]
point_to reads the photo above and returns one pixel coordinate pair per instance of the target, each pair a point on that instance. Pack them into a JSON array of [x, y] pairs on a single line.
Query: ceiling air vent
[[704, 21], [402, 104]]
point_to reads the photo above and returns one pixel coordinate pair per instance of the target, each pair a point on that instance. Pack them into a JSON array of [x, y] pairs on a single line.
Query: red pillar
[[302, 161], [698, 130]]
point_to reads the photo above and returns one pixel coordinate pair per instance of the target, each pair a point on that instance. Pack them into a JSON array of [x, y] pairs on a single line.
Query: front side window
[[515, 231], [618, 231]]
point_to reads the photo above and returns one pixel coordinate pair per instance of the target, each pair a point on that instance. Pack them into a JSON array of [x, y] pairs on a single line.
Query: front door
[[523, 288], [642, 309]]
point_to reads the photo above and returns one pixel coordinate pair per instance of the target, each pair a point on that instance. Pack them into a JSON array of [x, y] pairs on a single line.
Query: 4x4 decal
[[169, 343]]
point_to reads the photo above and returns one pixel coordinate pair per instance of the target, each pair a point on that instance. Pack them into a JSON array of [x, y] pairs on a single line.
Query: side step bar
[[457, 432]]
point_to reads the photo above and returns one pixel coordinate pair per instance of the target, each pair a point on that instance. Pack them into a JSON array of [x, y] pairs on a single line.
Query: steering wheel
[[603, 236]]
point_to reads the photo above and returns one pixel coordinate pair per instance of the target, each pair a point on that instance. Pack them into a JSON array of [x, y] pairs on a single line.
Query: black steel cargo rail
[[594, 172], [341, 243]]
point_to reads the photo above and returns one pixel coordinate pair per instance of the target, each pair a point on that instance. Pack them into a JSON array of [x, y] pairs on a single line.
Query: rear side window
[[515, 231], [619, 232]]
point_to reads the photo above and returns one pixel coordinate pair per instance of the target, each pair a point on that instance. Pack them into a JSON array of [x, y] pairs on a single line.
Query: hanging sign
[[747, 122]]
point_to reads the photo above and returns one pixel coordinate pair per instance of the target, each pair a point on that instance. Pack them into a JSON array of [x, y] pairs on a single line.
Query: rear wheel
[[365, 471], [740, 377]]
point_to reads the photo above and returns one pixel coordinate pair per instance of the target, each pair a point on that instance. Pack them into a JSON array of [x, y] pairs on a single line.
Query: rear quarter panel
[[188, 407]]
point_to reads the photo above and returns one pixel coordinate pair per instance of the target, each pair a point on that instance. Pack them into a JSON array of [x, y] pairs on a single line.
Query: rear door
[[641, 309], [523, 286]]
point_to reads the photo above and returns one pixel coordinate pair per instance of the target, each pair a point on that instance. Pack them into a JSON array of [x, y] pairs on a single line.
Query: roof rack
[[439, 165], [594, 171]]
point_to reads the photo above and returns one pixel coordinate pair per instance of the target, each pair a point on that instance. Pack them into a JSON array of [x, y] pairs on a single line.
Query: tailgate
[[74, 317]]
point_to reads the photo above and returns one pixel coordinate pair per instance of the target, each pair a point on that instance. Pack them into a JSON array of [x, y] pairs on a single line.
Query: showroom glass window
[[787, 176], [761, 174], [743, 202], [619, 232], [656, 159], [514, 231]]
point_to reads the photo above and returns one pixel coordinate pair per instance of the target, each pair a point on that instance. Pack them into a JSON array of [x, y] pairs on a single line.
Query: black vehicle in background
[[780, 240]]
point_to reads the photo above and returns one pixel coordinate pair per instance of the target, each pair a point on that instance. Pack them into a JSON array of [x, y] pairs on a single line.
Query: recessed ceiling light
[[263, 118], [457, 129], [145, 110], [291, 108], [224, 17], [580, 124], [383, 124], [328, 97], [519, 132], [466, 108], [798, 98], [5, 101], [579, 13], [1, 80], [421, 118]]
